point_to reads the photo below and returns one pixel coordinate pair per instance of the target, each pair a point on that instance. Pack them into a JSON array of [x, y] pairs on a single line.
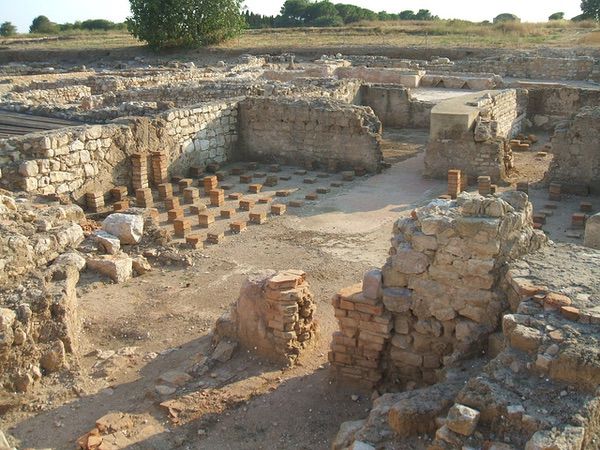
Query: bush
[[184, 23], [506, 17], [43, 25], [8, 29], [557, 16], [590, 9]]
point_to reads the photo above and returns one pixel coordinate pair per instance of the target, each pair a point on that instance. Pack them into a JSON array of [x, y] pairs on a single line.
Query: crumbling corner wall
[[438, 296], [470, 133], [576, 147]]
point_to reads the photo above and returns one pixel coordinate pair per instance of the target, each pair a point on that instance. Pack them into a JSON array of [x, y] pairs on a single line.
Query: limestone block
[[128, 228], [372, 284], [398, 300], [118, 267], [108, 243], [410, 262], [462, 420], [29, 169], [592, 232], [53, 359], [7, 320]]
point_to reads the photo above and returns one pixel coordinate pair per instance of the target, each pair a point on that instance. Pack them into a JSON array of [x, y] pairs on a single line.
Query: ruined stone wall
[[330, 134], [503, 113], [438, 296], [60, 96], [547, 106], [38, 324], [470, 133], [395, 107], [404, 77], [205, 133], [576, 147], [533, 67], [96, 158]]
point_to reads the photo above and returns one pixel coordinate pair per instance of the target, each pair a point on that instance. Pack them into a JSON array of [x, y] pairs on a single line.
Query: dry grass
[[442, 33]]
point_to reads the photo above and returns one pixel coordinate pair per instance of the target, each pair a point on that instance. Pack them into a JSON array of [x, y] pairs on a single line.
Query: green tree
[[425, 14], [506, 17], [557, 16], [185, 23], [43, 25], [591, 9], [407, 15], [8, 29], [293, 13]]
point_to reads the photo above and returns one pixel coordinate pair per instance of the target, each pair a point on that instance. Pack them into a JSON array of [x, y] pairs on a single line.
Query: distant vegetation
[[506, 17], [304, 13], [43, 25], [590, 10], [8, 29]]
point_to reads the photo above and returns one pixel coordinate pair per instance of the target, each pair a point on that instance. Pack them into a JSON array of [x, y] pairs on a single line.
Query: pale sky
[[22, 12]]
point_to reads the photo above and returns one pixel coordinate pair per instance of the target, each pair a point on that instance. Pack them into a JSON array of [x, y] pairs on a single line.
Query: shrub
[[8, 29], [184, 23], [43, 25], [506, 17]]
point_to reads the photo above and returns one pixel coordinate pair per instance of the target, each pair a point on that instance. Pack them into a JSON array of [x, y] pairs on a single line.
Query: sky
[[22, 12]]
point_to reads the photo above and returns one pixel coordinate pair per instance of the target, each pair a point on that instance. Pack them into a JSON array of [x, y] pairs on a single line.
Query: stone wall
[[576, 148], [395, 107], [96, 158], [470, 133], [547, 106], [38, 321], [331, 134], [438, 296], [404, 77], [58, 96], [533, 67]]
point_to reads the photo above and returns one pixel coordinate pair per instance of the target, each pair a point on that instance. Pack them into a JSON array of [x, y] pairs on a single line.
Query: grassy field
[[370, 35]]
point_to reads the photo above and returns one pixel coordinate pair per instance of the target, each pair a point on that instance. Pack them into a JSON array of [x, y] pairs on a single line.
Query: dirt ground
[[137, 331]]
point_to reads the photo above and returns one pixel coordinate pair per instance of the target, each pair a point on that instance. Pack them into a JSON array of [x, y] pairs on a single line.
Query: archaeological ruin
[[188, 249]]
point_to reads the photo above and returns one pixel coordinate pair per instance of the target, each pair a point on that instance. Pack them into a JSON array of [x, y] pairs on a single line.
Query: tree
[[591, 9], [407, 15], [557, 16], [8, 29], [424, 14], [43, 25], [184, 23], [506, 17]]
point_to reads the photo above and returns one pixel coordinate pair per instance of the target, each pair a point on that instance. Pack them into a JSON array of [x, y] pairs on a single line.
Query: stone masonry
[[438, 295]]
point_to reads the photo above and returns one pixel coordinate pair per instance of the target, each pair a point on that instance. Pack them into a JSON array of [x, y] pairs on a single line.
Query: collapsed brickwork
[[438, 296], [576, 163], [273, 316]]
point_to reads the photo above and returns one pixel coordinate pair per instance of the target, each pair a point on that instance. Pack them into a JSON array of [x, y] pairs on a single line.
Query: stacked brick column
[[274, 316], [365, 327], [160, 164], [139, 177]]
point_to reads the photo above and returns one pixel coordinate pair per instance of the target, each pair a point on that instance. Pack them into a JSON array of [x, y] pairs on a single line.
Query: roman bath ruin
[[302, 251]]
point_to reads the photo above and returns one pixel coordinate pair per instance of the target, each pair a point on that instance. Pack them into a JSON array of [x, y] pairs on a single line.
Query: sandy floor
[[160, 322]]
